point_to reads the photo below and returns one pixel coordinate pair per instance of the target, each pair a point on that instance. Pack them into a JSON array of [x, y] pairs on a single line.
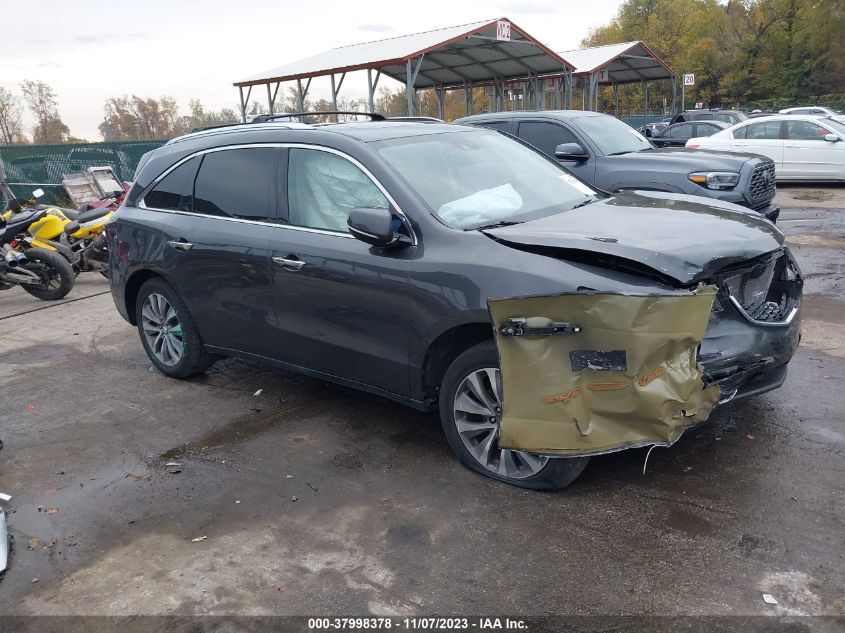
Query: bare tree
[[49, 127], [11, 128]]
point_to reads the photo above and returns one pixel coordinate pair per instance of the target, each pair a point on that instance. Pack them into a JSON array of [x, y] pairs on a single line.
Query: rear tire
[[168, 331], [470, 412], [59, 277]]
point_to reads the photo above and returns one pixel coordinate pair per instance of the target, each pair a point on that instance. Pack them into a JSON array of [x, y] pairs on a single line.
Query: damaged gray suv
[[453, 268]]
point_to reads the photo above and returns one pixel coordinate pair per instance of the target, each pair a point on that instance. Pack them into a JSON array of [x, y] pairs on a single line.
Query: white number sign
[[503, 31], [689, 79]]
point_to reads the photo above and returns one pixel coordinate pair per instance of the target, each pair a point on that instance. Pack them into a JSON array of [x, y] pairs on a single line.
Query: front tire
[[55, 271], [470, 412], [168, 331]]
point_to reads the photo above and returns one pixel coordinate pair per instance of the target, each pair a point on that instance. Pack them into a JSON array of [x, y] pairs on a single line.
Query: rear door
[[676, 135], [761, 137], [341, 306], [808, 156], [546, 135], [215, 243]]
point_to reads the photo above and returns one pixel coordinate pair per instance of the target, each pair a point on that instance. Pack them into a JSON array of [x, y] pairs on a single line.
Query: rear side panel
[[627, 377]]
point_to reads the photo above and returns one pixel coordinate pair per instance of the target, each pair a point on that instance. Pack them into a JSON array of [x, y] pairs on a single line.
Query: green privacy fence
[[31, 167]]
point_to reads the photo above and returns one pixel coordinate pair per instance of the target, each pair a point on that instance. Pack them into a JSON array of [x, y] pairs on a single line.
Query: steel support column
[[371, 87], [616, 98], [674, 94], [411, 78], [645, 96], [441, 106]]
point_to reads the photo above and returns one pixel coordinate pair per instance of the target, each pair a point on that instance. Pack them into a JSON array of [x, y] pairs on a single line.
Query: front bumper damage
[[596, 373]]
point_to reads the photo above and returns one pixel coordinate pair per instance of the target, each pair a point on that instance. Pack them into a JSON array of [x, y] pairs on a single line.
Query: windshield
[[611, 135], [474, 179]]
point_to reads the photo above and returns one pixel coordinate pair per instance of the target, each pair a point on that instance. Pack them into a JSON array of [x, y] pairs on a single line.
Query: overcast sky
[[90, 50]]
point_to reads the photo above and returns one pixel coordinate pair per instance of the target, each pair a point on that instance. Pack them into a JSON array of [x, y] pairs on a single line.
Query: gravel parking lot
[[312, 498]]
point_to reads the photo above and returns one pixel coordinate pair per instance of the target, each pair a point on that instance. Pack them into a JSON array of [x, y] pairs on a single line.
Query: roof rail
[[264, 118]]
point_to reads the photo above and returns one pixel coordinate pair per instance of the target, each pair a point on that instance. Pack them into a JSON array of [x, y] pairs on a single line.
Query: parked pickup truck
[[612, 156]]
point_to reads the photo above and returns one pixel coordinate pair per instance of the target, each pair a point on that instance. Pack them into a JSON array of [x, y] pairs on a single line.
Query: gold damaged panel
[[625, 375]]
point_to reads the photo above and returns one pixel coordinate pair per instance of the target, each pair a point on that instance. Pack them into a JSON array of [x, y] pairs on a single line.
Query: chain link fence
[[30, 167]]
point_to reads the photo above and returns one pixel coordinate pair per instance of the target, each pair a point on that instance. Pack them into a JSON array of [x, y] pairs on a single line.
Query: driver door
[[341, 306]]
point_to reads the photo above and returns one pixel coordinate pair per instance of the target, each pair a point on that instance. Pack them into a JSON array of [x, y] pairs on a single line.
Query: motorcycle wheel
[[55, 271]]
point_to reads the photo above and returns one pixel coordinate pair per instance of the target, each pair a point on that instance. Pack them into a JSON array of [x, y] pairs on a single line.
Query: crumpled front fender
[[586, 373]]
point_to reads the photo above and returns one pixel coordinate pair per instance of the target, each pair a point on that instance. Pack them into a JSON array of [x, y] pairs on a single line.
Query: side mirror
[[831, 138], [373, 226], [571, 151]]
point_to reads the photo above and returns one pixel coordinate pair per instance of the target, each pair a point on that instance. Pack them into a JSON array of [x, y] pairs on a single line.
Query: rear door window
[[765, 130], [174, 192], [682, 131], [238, 183], [545, 136]]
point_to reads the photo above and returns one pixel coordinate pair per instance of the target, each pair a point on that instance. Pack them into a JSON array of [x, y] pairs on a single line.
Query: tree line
[[746, 53]]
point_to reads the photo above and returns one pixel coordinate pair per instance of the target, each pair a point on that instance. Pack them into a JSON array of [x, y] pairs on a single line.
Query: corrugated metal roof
[[452, 55], [626, 62]]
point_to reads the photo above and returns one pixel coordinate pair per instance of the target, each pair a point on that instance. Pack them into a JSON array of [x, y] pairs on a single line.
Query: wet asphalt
[[310, 498]]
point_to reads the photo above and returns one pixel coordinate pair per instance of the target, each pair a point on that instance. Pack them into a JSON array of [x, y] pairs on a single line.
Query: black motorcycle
[[43, 273]]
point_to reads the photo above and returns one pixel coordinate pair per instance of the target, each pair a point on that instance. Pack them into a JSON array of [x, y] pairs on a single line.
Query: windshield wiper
[[494, 225], [584, 203]]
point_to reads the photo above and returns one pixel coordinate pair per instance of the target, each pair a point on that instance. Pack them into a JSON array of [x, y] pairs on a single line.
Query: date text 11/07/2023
[[418, 623]]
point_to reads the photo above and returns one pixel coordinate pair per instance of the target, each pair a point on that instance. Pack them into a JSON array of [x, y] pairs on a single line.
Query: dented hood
[[686, 238]]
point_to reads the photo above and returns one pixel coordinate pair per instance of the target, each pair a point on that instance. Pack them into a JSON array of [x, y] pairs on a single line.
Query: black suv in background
[[370, 254], [731, 117], [611, 155]]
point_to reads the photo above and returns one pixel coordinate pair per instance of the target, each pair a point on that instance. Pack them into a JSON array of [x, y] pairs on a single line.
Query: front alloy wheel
[[471, 414], [478, 414]]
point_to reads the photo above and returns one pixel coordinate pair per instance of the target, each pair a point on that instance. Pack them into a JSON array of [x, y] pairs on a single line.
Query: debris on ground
[[33, 543], [51, 510], [288, 476], [294, 498], [258, 393], [5, 497], [4, 542], [52, 543], [174, 468], [769, 598], [312, 486], [34, 580], [198, 539]]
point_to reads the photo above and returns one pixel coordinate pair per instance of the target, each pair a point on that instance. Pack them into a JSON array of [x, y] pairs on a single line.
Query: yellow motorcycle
[[77, 235]]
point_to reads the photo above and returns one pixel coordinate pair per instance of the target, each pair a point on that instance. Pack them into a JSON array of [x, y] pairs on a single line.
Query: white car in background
[[815, 110], [803, 147]]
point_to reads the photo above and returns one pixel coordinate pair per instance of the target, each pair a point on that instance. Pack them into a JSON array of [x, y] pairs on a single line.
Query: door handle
[[180, 246], [288, 263]]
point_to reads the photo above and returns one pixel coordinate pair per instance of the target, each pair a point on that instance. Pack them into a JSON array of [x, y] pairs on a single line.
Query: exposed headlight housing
[[715, 179]]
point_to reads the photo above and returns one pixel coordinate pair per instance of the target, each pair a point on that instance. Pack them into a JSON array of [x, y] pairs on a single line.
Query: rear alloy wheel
[[168, 332], [162, 329], [471, 414]]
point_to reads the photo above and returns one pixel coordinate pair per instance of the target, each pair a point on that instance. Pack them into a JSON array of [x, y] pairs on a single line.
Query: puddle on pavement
[[36, 354], [239, 430], [688, 522], [57, 504]]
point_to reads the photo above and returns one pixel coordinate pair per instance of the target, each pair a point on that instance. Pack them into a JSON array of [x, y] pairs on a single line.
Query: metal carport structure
[[490, 52], [617, 64]]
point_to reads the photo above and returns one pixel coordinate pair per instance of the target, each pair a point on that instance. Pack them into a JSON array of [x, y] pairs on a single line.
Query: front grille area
[[762, 188], [767, 290]]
